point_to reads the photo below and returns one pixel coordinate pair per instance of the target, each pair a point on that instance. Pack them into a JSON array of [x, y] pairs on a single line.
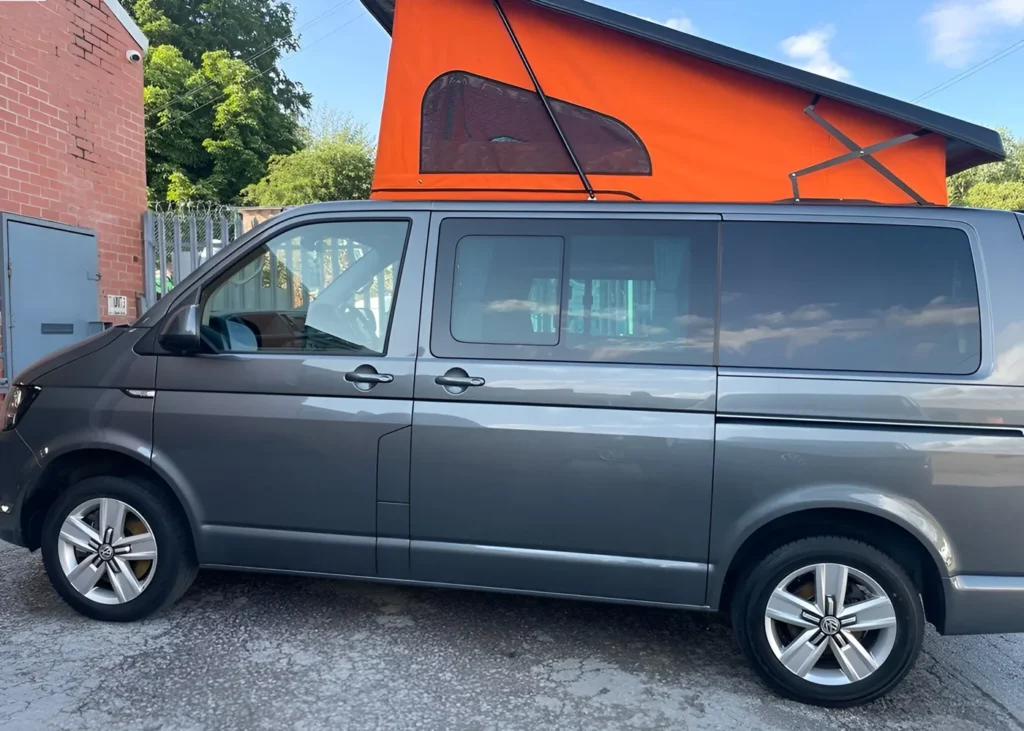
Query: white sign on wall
[[117, 304]]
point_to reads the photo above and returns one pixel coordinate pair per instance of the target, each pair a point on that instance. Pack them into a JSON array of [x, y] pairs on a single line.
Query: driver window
[[321, 287]]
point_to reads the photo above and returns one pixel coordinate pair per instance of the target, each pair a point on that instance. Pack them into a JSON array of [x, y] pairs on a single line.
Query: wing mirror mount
[[181, 333]]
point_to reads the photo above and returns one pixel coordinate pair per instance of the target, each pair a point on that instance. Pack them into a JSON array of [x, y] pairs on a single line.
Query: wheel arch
[[68, 468], [927, 558]]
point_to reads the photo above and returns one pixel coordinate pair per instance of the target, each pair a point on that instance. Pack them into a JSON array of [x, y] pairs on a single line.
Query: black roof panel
[[967, 144]]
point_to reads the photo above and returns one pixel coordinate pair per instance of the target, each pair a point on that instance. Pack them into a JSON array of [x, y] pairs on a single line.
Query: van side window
[[506, 289], [325, 287], [851, 297], [614, 291], [642, 297]]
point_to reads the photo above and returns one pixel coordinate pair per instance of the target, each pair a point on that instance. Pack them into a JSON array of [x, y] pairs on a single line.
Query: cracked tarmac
[[256, 652]]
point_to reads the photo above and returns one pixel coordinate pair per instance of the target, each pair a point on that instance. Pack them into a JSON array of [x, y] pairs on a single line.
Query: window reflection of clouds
[[849, 297], [810, 324]]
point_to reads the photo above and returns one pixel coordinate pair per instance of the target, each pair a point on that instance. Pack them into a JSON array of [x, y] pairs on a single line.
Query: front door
[[305, 386], [563, 427]]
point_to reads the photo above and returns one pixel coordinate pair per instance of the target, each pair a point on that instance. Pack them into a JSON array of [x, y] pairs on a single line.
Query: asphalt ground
[[246, 651]]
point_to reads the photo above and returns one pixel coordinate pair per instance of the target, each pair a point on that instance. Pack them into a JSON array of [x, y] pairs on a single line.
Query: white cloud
[[809, 51], [680, 23], [957, 27]]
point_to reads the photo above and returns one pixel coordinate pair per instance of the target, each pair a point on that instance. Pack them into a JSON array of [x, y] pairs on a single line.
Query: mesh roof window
[[476, 125]]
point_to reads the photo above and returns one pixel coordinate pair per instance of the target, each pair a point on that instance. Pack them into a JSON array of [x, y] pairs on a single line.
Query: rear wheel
[[829, 621], [117, 549]]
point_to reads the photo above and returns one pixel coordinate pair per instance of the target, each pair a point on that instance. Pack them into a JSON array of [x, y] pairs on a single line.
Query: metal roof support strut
[[857, 152], [544, 101]]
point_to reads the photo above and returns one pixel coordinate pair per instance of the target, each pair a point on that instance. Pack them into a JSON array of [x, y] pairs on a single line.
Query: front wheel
[[116, 549], [829, 621]]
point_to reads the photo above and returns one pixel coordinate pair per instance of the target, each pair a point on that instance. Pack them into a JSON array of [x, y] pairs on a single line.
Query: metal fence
[[288, 273], [180, 237]]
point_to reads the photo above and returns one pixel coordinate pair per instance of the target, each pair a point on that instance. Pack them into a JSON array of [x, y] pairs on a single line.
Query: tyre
[[829, 621], [117, 549]]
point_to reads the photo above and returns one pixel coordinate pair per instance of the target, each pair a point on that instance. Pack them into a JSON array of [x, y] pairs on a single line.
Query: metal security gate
[[293, 272], [50, 291], [179, 238]]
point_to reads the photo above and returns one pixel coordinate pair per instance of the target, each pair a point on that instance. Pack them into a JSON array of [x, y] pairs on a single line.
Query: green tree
[[996, 185], [336, 164], [258, 31], [218, 138], [217, 106], [1008, 196]]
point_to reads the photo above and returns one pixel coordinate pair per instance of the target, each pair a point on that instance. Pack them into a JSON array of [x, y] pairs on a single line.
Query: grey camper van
[[809, 417]]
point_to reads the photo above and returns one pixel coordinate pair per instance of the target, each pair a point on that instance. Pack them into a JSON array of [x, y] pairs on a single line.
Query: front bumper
[[981, 605], [18, 467]]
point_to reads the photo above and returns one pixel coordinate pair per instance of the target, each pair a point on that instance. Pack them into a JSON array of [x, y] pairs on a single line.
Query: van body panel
[[838, 397], [558, 572], [594, 474], [579, 477], [93, 363], [588, 482], [577, 385], [294, 464]]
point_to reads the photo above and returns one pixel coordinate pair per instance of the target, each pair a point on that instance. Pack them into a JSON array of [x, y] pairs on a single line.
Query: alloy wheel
[[107, 551], [830, 624]]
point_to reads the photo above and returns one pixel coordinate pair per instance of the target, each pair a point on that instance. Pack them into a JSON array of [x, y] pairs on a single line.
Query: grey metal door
[[278, 429], [52, 292], [563, 422]]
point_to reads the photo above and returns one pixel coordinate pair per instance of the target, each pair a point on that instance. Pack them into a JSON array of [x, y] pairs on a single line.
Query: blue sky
[[902, 48]]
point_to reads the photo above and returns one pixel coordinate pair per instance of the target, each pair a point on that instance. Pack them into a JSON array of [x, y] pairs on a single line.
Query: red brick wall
[[72, 145]]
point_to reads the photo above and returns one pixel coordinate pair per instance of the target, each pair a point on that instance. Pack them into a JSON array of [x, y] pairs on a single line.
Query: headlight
[[16, 403]]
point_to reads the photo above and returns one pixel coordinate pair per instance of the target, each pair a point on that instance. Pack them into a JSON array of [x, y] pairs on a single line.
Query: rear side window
[[850, 297], [613, 291]]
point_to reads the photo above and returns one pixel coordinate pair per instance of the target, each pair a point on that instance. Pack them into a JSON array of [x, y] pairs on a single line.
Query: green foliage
[[215, 141], [337, 164], [1007, 196], [996, 185], [243, 28], [217, 106]]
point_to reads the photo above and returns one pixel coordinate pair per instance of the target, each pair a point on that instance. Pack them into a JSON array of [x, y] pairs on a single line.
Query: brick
[[47, 108], [17, 61], [18, 109], [29, 101], [14, 85], [26, 125]]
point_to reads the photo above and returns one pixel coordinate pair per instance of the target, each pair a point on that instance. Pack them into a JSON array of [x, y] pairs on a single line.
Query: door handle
[[366, 377], [457, 381], [374, 378]]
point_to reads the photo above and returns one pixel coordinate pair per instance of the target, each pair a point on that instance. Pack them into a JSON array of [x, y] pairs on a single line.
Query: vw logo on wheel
[[106, 552], [830, 626]]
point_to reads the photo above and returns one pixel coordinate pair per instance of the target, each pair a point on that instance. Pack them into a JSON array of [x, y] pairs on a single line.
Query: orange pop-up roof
[[541, 99]]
